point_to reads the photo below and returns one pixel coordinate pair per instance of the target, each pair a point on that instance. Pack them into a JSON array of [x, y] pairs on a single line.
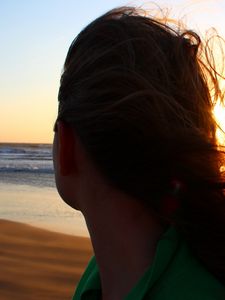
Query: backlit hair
[[138, 93]]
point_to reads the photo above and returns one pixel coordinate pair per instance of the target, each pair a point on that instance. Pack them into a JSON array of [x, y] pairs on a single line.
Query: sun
[[219, 113]]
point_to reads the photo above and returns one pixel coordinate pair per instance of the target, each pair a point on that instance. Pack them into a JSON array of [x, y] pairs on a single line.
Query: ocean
[[28, 193]]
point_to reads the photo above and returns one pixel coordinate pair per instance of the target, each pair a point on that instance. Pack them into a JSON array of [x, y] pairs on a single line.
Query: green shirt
[[173, 275]]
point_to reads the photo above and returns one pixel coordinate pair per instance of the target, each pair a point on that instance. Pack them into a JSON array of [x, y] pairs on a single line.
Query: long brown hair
[[139, 94]]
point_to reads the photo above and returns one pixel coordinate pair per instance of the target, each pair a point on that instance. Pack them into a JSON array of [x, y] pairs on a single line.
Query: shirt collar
[[165, 250]]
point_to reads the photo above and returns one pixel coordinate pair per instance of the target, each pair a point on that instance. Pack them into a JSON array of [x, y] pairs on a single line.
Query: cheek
[[63, 183], [55, 159], [54, 152]]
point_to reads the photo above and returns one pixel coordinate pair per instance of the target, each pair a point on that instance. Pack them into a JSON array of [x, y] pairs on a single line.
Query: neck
[[124, 237]]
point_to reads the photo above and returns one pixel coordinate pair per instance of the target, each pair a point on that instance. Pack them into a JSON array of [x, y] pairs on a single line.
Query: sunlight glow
[[219, 113], [35, 39]]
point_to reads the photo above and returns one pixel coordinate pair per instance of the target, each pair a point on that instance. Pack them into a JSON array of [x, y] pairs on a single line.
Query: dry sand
[[37, 264]]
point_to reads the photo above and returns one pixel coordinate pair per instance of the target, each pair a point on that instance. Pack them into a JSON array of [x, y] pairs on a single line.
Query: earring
[[171, 202]]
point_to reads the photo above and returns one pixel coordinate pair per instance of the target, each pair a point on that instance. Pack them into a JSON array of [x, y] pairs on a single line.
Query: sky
[[34, 39]]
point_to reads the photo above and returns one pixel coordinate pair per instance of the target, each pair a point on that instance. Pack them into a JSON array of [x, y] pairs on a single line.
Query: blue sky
[[35, 36]]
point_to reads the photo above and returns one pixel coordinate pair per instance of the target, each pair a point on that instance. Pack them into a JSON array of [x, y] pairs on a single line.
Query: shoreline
[[38, 263], [41, 207]]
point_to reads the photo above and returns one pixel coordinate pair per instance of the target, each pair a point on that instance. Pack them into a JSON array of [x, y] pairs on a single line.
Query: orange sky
[[33, 48]]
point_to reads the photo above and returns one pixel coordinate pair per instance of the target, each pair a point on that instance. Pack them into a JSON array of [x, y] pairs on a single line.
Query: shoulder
[[187, 279], [89, 282]]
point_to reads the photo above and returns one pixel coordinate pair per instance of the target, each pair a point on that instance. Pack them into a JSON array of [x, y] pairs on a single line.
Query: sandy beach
[[37, 264]]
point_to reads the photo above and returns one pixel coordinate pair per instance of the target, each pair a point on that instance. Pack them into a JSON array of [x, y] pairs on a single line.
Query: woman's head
[[138, 94]]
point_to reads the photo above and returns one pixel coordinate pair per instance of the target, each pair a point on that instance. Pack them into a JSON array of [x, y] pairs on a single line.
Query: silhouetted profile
[[135, 151]]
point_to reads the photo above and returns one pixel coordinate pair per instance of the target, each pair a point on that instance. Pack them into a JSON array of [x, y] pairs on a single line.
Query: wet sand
[[37, 264]]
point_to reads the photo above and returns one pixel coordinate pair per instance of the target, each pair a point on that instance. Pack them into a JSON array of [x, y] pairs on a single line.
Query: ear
[[66, 150]]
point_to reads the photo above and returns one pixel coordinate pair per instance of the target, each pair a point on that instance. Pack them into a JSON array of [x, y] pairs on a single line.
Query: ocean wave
[[26, 164], [9, 169], [40, 149], [7, 150], [25, 157]]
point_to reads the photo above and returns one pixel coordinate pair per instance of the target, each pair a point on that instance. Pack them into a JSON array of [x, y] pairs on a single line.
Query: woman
[[135, 151]]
